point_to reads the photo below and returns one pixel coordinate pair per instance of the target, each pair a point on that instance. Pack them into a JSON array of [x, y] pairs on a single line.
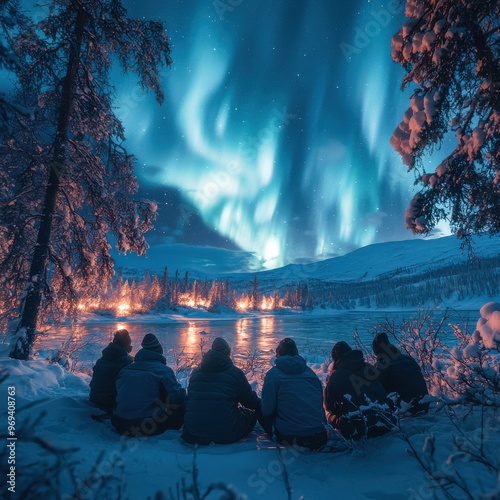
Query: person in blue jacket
[[114, 357], [149, 398], [292, 400], [355, 401], [400, 373], [221, 403]]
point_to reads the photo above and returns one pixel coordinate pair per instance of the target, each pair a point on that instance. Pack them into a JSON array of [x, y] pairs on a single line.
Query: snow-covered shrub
[[72, 353], [469, 468], [462, 371]]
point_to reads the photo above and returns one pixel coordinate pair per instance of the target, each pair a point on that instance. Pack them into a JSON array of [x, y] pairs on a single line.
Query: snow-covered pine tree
[[71, 181], [450, 50], [255, 293]]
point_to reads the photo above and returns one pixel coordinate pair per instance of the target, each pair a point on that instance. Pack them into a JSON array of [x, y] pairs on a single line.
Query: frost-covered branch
[[451, 54]]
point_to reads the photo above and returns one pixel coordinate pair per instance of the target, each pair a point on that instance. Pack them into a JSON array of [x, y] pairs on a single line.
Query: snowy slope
[[366, 263]]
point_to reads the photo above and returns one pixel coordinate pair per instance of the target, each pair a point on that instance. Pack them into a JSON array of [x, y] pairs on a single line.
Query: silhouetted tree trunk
[[29, 314]]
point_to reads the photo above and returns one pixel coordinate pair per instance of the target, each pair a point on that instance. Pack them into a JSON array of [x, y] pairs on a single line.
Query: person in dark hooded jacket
[[292, 399], [114, 357], [220, 401], [149, 398], [400, 373], [356, 403]]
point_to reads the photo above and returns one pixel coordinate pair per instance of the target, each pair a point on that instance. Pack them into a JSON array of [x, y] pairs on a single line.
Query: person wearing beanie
[[292, 400], [221, 405], [355, 401], [114, 357], [400, 373], [287, 347], [219, 344], [149, 398], [151, 343], [122, 338]]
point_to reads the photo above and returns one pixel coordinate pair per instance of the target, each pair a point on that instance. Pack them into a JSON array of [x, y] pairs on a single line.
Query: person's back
[[114, 357], [400, 373], [292, 399], [215, 391], [356, 415], [149, 397]]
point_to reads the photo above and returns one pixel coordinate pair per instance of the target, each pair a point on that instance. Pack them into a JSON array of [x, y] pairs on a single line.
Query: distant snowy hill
[[366, 263], [395, 257], [408, 273]]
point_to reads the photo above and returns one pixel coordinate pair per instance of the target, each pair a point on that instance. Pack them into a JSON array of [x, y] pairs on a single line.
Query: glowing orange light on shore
[[189, 300], [267, 303], [88, 306], [243, 304], [123, 308]]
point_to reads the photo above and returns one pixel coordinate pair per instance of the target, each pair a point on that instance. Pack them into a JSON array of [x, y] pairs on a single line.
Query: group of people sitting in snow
[[144, 398]]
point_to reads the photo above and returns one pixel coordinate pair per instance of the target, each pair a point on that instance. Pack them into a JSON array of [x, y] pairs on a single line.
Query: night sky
[[272, 145]]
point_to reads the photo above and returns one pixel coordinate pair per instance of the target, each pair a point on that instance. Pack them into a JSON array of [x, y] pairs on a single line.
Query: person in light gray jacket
[[292, 400], [149, 398]]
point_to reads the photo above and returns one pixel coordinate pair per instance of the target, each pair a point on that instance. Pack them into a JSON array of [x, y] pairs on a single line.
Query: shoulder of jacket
[[237, 372], [273, 373]]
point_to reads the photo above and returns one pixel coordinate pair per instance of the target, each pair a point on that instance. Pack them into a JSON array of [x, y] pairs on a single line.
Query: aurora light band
[[277, 123]]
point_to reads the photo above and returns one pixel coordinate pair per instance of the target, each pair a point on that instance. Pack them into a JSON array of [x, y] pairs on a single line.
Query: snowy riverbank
[[143, 467], [193, 314]]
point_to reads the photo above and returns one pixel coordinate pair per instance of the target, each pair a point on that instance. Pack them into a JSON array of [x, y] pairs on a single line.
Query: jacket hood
[[149, 355], [393, 353], [291, 364], [215, 361], [114, 351], [352, 360]]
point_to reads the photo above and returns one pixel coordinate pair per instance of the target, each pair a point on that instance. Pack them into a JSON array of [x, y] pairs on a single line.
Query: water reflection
[[241, 328], [246, 336], [266, 340], [191, 335]]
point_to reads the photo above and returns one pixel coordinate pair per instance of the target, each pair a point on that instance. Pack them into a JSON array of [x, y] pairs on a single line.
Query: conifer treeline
[[401, 288]]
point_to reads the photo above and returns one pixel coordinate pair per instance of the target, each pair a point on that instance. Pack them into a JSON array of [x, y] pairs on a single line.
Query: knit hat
[[286, 347], [151, 343], [122, 338], [339, 350], [219, 344], [378, 341]]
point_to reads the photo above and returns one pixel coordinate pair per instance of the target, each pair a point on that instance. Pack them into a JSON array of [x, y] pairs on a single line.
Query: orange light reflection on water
[[241, 329], [191, 336], [266, 329], [194, 336]]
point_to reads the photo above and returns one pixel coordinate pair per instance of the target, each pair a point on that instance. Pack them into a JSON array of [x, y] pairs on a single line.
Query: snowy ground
[[56, 400]]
